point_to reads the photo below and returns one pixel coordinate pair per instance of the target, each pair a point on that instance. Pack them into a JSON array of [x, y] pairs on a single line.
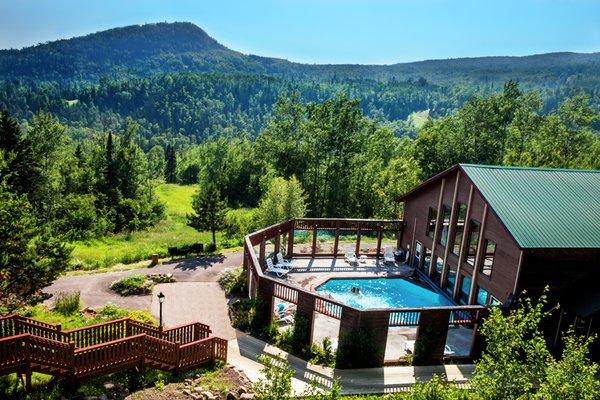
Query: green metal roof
[[542, 207]]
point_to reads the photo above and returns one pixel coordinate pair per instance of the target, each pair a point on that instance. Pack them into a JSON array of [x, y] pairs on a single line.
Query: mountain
[[144, 50]]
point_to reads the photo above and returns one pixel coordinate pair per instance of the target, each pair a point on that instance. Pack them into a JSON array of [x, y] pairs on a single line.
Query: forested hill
[[183, 47]]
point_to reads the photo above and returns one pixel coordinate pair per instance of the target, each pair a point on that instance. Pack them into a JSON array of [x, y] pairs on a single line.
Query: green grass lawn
[[128, 248]]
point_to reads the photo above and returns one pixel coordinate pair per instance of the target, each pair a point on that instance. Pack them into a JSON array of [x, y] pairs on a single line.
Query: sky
[[330, 31]]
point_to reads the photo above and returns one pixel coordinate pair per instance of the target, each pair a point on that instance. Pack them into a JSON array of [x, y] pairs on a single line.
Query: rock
[[231, 396], [247, 396], [195, 396], [109, 386], [125, 391], [199, 389], [187, 392], [208, 395], [242, 390], [188, 381], [102, 397]]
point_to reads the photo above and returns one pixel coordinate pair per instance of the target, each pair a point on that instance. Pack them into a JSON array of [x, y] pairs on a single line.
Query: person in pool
[[355, 290]]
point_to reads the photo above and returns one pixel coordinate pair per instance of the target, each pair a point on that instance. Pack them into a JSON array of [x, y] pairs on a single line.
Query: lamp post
[[161, 298]]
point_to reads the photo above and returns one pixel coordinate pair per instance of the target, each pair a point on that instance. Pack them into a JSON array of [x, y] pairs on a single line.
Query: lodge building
[[484, 234]]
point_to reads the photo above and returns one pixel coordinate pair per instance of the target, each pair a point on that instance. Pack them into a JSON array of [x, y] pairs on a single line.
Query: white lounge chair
[[280, 272], [388, 256], [283, 263], [350, 256], [409, 347]]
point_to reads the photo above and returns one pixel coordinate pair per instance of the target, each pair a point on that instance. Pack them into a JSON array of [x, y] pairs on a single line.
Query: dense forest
[[91, 125], [181, 85]]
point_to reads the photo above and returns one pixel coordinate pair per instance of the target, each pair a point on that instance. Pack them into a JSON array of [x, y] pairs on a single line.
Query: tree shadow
[[203, 262]]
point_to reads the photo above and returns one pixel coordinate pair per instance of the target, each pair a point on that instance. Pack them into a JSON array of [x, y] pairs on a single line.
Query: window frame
[[429, 230], [484, 258], [459, 206], [442, 225], [470, 240]]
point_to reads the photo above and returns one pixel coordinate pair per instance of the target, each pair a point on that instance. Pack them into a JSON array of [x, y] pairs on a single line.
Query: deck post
[[306, 309], [357, 249], [277, 241], [379, 230], [431, 336], [261, 252], [314, 240], [336, 243], [290, 243]]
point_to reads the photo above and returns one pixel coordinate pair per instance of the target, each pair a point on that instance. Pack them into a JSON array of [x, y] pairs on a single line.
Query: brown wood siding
[[506, 261]]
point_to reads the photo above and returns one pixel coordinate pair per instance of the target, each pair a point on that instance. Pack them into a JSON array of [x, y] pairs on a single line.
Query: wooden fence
[[27, 345], [377, 321]]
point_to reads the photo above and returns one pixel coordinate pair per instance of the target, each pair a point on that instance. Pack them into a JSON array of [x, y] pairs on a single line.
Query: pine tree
[[111, 180], [209, 211], [170, 165]]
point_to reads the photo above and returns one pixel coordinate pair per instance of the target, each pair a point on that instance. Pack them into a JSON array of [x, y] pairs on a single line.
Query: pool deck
[[309, 273]]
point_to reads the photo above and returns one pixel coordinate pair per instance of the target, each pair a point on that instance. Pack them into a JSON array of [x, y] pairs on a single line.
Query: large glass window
[[488, 259], [460, 227], [437, 272], [482, 296], [465, 288], [494, 301], [446, 213], [450, 279], [426, 261], [431, 220], [474, 228]]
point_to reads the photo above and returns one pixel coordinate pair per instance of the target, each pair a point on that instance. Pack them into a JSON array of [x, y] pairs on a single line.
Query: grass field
[[123, 248]]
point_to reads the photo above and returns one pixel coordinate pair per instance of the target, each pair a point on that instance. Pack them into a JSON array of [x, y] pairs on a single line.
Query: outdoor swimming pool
[[382, 293]]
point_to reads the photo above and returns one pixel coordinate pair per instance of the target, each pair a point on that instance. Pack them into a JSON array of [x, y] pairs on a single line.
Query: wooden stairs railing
[[28, 345]]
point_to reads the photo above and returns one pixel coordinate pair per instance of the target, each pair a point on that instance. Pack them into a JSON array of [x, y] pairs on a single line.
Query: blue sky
[[330, 31]]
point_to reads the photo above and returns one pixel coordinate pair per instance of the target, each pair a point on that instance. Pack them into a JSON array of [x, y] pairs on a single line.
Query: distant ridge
[[143, 50]]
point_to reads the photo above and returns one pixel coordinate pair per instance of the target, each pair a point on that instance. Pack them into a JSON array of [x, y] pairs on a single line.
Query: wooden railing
[[82, 353], [265, 286]]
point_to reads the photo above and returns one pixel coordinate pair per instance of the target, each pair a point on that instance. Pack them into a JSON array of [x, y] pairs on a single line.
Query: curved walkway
[[197, 296]]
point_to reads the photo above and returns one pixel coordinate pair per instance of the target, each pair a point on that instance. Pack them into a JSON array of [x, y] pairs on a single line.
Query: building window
[[431, 220], [488, 259], [446, 213], [437, 273], [465, 288], [450, 280], [474, 228], [417, 256], [460, 228], [427, 261], [494, 302], [482, 296]]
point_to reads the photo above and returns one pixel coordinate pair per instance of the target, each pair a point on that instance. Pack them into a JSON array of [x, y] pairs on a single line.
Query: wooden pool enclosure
[[432, 323]]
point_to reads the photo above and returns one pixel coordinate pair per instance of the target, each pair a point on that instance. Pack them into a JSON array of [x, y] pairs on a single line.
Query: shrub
[[324, 355], [357, 350], [277, 382], [67, 303], [132, 285], [234, 282], [211, 247], [111, 312]]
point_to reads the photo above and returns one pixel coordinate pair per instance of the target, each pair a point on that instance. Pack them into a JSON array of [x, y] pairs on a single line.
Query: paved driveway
[[202, 301]]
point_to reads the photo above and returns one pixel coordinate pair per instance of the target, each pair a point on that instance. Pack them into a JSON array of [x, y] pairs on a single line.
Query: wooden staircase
[[28, 345]]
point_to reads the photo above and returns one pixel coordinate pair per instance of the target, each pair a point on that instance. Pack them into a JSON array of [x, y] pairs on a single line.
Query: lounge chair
[[409, 347], [280, 272], [350, 256], [283, 263], [388, 256]]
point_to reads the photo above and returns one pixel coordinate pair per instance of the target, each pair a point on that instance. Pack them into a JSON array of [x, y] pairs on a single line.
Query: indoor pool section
[[370, 293]]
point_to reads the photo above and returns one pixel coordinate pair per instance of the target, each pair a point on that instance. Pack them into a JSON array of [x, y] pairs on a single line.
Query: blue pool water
[[382, 293]]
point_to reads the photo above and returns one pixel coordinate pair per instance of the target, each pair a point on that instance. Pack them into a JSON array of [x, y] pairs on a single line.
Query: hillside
[[143, 50], [177, 81]]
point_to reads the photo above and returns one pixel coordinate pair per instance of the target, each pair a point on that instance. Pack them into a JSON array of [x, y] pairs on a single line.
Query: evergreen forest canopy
[[92, 124], [182, 86]]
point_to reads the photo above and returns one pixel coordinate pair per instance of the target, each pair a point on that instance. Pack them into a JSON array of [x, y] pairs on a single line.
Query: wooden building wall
[[502, 281]]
